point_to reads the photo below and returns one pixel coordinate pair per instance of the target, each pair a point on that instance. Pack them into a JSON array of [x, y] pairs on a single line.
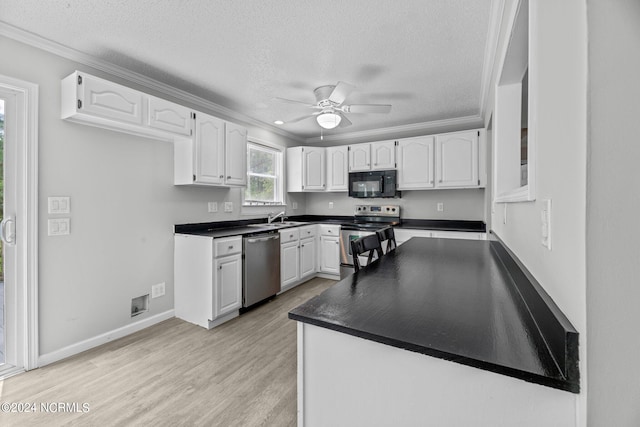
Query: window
[[515, 107], [264, 176]]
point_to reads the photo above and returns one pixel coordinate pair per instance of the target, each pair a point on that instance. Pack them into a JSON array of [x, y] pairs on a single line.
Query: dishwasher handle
[[262, 239]]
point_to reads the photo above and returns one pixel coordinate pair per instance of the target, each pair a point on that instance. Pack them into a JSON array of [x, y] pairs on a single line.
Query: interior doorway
[[18, 227]]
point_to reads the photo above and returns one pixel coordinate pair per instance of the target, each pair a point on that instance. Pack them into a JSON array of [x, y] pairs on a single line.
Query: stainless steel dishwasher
[[261, 267]]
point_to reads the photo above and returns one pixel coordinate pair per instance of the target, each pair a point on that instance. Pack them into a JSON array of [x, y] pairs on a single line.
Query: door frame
[[26, 315]]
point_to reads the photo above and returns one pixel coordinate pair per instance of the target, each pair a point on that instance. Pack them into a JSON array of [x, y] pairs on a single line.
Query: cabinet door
[[109, 100], [228, 284], [383, 155], [457, 160], [165, 115], [330, 254], [307, 257], [313, 168], [209, 152], [337, 168], [235, 155], [289, 263], [359, 157], [415, 163]]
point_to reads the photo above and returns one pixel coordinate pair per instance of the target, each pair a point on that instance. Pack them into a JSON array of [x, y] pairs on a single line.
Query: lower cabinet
[[207, 279], [297, 255], [329, 249], [404, 234]]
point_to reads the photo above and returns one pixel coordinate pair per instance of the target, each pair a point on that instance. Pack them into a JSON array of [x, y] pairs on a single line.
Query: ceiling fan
[[331, 112]]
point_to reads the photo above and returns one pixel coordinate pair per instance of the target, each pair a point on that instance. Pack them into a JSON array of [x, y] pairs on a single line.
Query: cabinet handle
[[229, 177], [230, 247], [221, 176]]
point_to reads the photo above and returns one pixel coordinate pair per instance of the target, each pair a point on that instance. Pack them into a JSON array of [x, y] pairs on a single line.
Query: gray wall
[[123, 209], [458, 204], [613, 203]]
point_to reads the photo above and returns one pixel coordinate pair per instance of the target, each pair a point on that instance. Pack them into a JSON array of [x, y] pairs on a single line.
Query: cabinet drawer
[[289, 235], [307, 231], [227, 246], [330, 230]]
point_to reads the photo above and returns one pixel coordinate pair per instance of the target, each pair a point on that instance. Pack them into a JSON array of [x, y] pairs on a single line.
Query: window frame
[[517, 60], [254, 206]]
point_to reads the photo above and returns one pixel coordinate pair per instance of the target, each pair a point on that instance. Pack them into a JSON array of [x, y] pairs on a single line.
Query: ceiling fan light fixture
[[328, 120]]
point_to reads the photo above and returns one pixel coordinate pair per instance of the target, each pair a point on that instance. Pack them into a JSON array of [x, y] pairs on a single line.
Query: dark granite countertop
[[456, 300], [245, 227]]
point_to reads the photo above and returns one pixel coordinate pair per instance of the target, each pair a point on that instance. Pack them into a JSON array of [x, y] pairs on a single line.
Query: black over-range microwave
[[373, 184]]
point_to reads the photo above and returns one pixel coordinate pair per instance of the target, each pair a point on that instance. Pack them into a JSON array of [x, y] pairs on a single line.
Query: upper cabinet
[[450, 160], [207, 150], [216, 155], [168, 116], [457, 161], [415, 163], [379, 155], [337, 168], [305, 169]]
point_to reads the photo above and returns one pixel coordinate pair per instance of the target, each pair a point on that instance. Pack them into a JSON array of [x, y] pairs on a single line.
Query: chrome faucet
[[272, 217]]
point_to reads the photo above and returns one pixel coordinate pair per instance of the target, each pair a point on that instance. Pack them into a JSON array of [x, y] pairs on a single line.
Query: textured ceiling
[[425, 57]]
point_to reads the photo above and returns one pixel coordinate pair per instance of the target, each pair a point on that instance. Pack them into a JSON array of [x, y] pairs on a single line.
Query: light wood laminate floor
[[242, 373]]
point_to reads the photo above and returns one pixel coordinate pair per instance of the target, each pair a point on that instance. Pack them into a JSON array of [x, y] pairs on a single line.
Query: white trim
[[27, 208], [79, 347], [133, 77], [490, 52], [416, 129], [300, 393]]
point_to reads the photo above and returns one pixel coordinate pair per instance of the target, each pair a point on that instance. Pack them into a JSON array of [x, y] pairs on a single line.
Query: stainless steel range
[[368, 219]]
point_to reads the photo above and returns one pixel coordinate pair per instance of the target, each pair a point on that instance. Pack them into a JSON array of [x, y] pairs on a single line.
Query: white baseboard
[[73, 349]]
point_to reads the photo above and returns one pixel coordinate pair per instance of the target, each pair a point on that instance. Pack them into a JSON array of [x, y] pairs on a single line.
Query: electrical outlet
[[440, 207], [294, 206], [330, 205], [157, 290], [545, 224], [228, 206], [59, 205], [212, 206], [59, 226]]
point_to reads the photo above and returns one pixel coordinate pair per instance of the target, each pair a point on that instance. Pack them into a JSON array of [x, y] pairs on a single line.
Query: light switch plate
[[295, 205], [228, 206], [440, 207], [59, 226], [212, 206], [545, 224], [59, 205]]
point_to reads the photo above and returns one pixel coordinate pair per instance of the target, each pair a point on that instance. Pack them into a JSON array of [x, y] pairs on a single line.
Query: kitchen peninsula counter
[[463, 301]]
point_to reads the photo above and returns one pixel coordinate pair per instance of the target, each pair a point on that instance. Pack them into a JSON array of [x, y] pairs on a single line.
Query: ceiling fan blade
[[367, 108], [299, 119], [340, 92], [292, 101], [344, 122]]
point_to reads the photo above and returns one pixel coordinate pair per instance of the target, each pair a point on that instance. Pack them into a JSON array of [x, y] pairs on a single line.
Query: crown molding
[[490, 52], [66, 52], [403, 131]]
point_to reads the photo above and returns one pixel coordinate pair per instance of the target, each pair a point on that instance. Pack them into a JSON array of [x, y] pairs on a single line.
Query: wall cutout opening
[[139, 305]]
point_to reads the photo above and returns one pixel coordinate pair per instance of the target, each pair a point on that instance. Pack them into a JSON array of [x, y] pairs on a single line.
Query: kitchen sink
[[277, 224]]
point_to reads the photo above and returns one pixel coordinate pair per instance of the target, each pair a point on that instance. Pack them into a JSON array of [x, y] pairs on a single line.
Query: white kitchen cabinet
[[383, 155], [305, 169], [207, 279], [215, 155], [329, 249], [457, 160], [297, 255], [337, 159], [404, 234], [359, 157], [168, 116], [380, 155], [415, 163]]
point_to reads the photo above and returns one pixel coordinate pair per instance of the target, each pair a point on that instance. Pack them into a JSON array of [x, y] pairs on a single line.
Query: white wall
[[123, 209], [613, 203], [559, 67], [416, 204]]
